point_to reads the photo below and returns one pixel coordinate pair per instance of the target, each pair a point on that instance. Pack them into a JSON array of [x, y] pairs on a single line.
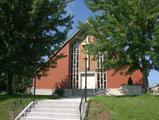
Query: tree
[[30, 30], [127, 31]]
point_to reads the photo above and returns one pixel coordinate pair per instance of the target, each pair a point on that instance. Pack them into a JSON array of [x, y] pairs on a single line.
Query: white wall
[[125, 90], [43, 91]]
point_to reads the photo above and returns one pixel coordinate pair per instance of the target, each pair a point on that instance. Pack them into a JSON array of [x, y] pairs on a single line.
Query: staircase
[[61, 109]]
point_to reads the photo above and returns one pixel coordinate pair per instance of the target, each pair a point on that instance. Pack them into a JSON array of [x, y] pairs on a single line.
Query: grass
[[6, 103], [144, 107]]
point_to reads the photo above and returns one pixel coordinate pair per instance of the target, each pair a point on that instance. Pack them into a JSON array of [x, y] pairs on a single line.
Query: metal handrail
[[82, 105], [26, 110], [18, 105]]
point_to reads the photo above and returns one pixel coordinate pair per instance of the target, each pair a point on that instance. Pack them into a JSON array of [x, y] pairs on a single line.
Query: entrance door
[[90, 81]]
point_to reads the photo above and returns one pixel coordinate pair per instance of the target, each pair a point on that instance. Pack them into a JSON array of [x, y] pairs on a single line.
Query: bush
[[59, 92]]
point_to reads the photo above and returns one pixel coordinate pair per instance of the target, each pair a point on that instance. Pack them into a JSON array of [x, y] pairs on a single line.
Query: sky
[[81, 13]]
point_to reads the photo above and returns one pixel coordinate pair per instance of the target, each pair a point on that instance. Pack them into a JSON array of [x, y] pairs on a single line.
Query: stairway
[[60, 109]]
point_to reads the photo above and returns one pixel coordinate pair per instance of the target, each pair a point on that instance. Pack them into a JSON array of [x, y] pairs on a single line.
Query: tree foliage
[[29, 31], [128, 32]]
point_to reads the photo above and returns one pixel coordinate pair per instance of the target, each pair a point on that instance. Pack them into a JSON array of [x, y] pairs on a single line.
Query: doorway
[[91, 81]]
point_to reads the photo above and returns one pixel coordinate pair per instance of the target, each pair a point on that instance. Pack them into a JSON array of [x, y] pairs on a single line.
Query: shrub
[[59, 92]]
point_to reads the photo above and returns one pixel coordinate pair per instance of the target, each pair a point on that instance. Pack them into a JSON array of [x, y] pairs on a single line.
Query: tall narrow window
[[74, 64], [101, 76]]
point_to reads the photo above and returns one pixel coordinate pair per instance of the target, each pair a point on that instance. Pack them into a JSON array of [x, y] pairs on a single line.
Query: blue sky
[[81, 13]]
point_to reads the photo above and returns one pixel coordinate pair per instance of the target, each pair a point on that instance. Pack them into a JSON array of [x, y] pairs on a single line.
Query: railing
[[26, 110], [82, 106], [19, 105]]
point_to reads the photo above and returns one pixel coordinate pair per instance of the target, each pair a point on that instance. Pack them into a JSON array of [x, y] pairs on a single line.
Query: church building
[[74, 65]]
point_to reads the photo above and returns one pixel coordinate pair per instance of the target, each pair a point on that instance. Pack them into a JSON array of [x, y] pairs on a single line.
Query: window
[[74, 64], [101, 76]]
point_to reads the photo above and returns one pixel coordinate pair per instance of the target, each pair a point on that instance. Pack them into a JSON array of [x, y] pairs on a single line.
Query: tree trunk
[[146, 82], [9, 84]]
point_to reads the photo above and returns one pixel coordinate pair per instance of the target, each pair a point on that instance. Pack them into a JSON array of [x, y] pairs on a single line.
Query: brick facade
[[57, 76], [60, 75], [92, 63], [116, 79]]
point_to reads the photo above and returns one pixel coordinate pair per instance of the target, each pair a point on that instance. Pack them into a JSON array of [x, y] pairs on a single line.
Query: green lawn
[[144, 107], [6, 102]]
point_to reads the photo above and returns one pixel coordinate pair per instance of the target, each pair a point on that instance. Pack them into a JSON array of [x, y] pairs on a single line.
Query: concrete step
[[57, 106], [45, 118], [61, 109], [58, 103], [68, 110], [62, 100], [53, 115], [46, 113]]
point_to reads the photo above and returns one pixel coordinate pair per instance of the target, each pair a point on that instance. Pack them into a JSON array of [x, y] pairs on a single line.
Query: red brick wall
[[57, 76], [82, 55], [115, 79]]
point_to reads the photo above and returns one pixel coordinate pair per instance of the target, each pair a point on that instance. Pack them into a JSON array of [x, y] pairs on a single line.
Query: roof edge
[[62, 46]]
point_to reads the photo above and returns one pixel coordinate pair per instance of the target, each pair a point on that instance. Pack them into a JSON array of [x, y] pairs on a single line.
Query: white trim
[[75, 64], [101, 75], [88, 61]]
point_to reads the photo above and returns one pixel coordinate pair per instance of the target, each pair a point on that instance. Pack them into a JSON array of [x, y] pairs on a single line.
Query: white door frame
[[88, 72]]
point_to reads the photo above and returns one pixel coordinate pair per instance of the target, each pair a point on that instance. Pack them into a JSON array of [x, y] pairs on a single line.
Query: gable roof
[[62, 46], [65, 43]]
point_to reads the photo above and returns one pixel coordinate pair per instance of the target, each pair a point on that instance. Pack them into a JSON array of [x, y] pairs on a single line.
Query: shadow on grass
[[5, 97], [124, 96]]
